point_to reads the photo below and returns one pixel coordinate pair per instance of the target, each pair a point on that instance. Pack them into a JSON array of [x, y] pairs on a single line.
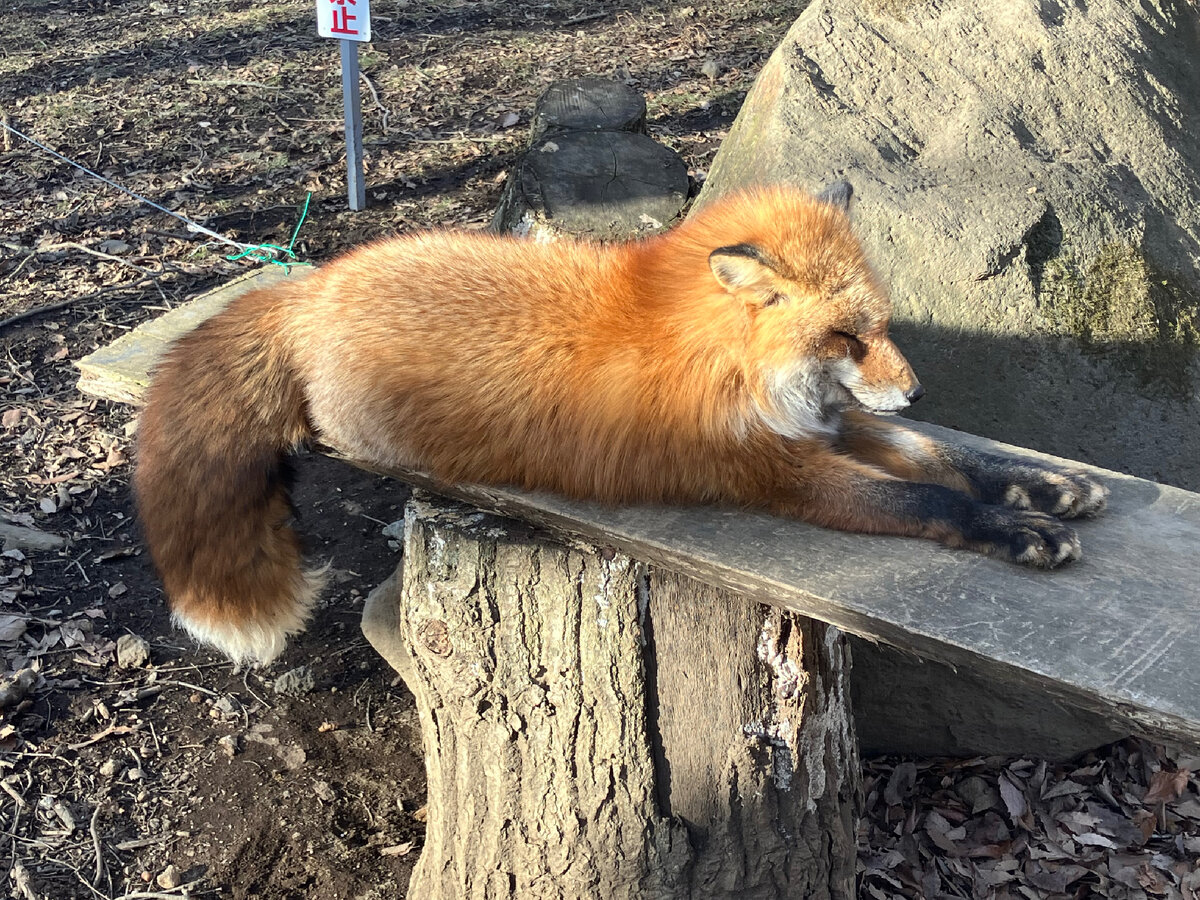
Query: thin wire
[[192, 225], [253, 251]]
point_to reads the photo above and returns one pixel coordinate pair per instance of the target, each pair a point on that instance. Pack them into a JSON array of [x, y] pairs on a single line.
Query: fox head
[[816, 316]]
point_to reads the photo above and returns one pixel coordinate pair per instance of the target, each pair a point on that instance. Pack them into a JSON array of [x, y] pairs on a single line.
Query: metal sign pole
[[355, 186], [350, 22]]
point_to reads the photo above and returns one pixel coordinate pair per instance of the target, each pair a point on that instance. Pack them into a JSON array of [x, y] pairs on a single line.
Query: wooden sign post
[[349, 21]]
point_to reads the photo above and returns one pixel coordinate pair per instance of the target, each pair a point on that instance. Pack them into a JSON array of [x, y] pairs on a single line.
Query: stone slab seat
[[1115, 633]]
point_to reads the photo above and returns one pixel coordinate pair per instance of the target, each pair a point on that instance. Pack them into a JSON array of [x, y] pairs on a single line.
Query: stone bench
[[653, 702]]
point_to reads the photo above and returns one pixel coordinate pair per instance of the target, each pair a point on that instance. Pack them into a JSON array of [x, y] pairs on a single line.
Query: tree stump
[[590, 171], [588, 104], [597, 728]]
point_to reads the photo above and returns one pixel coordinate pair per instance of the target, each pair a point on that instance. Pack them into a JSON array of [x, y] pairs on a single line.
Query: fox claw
[[1026, 537], [1063, 494], [1046, 545]]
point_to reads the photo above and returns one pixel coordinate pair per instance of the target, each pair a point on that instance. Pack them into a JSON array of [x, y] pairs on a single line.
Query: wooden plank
[[1116, 632], [121, 370]]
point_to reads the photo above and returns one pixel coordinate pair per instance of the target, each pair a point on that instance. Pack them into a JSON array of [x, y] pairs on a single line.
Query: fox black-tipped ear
[[837, 194], [742, 266]]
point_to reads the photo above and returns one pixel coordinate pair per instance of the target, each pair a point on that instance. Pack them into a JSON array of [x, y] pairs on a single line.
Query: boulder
[[1027, 175]]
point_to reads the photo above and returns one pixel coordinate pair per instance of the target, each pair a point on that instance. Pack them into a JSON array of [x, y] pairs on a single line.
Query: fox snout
[[881, 381]]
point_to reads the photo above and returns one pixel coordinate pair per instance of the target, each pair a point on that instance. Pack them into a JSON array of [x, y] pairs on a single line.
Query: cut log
[[588, 104], [583, 739], [606, 185], [590, 170]]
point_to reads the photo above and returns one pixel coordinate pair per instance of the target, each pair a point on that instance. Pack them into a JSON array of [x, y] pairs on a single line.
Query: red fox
[[742, 358]]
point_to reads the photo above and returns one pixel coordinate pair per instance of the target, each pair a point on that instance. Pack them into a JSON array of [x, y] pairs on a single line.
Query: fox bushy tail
[[212, 481]]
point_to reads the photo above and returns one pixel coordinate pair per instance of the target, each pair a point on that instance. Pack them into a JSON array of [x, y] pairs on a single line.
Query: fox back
[[605, 372]]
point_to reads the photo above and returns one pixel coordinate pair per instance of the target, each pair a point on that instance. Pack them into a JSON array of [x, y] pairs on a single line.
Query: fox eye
[[773, 298], [848, 344]]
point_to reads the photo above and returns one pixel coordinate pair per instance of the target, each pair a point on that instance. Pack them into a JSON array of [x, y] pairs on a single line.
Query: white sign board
[[346, 20]]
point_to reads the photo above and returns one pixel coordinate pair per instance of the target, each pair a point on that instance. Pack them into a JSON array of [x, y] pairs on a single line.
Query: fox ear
[[837, 194], [740, 267]]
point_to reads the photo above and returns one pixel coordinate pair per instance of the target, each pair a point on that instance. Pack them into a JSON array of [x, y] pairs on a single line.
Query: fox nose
[[915, 394]]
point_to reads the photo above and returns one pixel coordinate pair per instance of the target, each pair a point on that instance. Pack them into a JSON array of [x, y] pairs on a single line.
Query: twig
[[86, 580], [226, 82], [172, 894], [96, 843], [8, 789], [246, 685], [28, 256], [586, 18], [479, 138], [63, 304], [72, 245], [22, 883], [193, 687], [107, 732], [386, 113], [139, 843]]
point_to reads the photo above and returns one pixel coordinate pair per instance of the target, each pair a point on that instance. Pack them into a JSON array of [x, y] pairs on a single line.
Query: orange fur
[[653, 371]]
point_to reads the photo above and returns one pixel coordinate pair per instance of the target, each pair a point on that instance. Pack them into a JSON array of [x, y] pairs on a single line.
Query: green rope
[[269, 253]]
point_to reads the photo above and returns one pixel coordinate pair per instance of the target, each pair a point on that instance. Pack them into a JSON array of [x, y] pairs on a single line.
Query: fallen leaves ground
[[1120, 823], [177, 775]]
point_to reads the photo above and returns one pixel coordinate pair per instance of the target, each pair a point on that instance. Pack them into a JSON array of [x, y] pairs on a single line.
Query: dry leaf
[[900, 785], [57, 479], [114, 553], [1166, 786], [1013, 797], [1095, 840], [1151, 880], [937, 828], [12, 627]]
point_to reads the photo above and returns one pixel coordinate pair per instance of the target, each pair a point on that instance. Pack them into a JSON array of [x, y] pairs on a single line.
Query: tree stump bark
[[597, 728], [590, 170]]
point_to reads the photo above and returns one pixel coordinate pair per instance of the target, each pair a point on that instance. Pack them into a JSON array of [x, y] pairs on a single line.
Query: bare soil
[[182, 776]]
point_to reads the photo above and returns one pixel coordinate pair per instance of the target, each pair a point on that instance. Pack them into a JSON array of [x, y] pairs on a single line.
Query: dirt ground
[[181, 776]]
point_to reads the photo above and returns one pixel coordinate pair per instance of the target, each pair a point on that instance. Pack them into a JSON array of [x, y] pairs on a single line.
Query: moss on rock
[[1124, 306]]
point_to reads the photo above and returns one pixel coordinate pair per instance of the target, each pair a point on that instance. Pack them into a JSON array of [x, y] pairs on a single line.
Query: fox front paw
[[1026, 537], [1065, 494]]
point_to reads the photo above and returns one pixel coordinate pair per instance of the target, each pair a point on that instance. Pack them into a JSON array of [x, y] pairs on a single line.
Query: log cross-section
[[597, 728]]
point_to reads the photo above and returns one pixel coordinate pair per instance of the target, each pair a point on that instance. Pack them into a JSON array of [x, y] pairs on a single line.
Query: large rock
[[1028, 183]]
